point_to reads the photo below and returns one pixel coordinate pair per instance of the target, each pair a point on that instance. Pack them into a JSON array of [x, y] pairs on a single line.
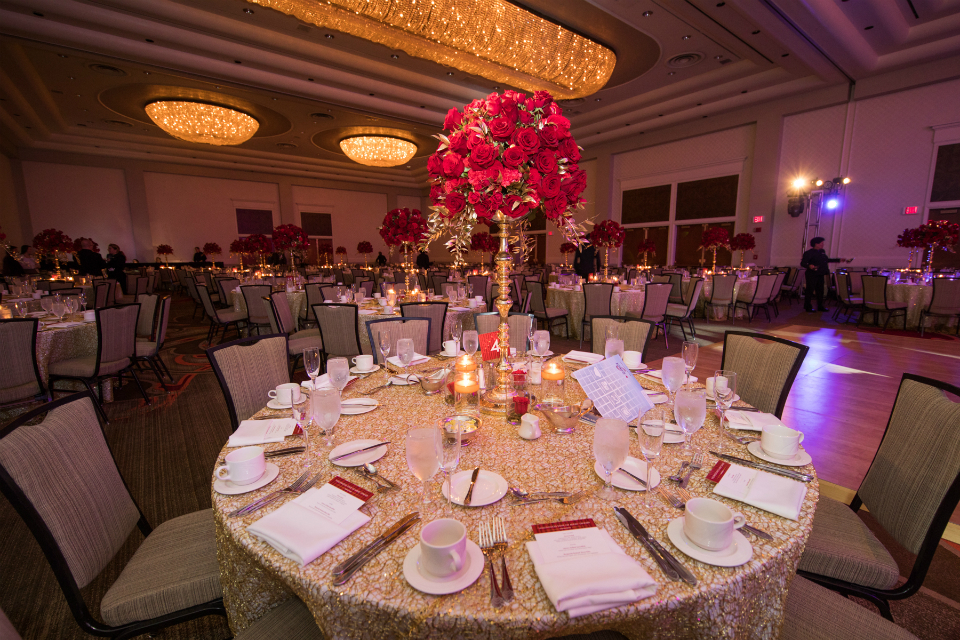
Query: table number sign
[[490, 346], [613, 389]]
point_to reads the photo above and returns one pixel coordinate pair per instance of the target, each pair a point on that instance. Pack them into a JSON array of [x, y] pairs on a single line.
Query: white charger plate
[[361, 458], [623, 481], [357, 406], [472, 569], [489, 488], [229, 488], [802, 458], [738, 553]]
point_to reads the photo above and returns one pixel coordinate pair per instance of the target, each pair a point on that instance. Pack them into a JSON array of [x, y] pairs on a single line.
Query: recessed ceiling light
[[328, 36], [449, 73], [672, 73], [250, 11], [61, 55], [394, 56], [647, 14], [718, 57], [596, 99], [146, 73], [686, 37]]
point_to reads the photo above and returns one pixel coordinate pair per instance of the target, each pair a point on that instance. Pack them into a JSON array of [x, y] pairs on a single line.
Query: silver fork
[[695, 465], [300, 485], [500, 531], [488, 547], [678, 476], [670, 497], [741, 439]]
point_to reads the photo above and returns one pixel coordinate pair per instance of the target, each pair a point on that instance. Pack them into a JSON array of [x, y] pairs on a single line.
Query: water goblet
[[451, 436], [689, 352], [20, 307], [405, 351], [457, 333], [72, 304], [673, 372], [650, 435], [531, 333], [384, 344], [339, 370], [302, 415], [613, 345], [58, 308], [471, 342], [541, 341], [325, 412], [423, 447], [82, 301], [610, 445], [311, 364], [690, 410], [724, 391]]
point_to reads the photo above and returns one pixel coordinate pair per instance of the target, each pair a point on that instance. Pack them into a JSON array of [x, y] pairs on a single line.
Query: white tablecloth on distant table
[[621, 302]]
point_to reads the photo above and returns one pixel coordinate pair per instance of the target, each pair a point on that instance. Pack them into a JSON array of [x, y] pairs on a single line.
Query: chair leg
[[139, 386], [97, 400], [156, 372]]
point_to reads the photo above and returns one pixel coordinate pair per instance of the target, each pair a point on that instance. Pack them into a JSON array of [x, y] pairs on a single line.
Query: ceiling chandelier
[[378, 151], [494, 39], [202, 122]]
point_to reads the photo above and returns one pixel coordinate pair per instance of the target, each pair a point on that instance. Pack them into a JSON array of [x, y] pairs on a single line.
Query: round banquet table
[[917, 297], [740, 602], [626, 300], [743, 290]]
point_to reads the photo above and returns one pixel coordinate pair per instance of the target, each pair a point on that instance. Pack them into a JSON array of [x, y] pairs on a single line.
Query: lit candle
[[466, 384], [466, 363], [553, 372]]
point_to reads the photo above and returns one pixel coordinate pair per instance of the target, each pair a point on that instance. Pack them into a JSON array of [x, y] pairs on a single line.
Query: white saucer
[[359, 371], [736, 398], [672, 437], [401, 381], [275, 404], [655, 397], [623, 481], [489, 488], [472, 569], [735, 555], [228, 488], [359, 459], [534, 353], [356, 406], [443, 354], [638, 367], [802, 458]]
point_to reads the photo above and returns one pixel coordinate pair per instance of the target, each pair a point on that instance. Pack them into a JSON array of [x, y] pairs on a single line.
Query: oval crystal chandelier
[[378, 151], [202, 122]]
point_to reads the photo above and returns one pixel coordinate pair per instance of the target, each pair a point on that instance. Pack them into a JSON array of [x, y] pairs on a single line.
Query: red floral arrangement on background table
[[743, 242], [934, 234], [325, 249], [164, 250], [911, 239], [404, 228], [258, 245], [341, 251], [212, 249], [566, 249], [240, 248], [606, 235], [714, 238], [290, 238], [77, 244], [484, 243], [52, 242], [645, 247], [364, 248]]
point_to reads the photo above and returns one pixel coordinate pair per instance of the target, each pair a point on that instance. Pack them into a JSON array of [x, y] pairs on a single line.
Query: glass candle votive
[[466, 391], [552, 378], [466, 363]]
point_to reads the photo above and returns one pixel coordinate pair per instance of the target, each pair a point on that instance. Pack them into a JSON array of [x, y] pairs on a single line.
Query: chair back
[[367, 285], [55, 286], [517, 286], [141, 285], [117, 333], [597, 298], [633, 331], [205, 300], [480, 287], [676, 293], [843, 287], [874, 291], [280, 310], [722, 289], [253, 295], [436, 311], [656, 297], [661, 278], [165, 304], [62, 480], [438, 282], [146, 324], [694, 295], [764, 290], [422, 281], [101, 291], [247, 369], [191, 284], [766, 367], [519, 324], [417, 329], [856, 285], [20, 374], [315, 295], [339, 331], [225, 287], [791, 277], [946, 297], [917, 467], [71, 291], [538, 304], [777, 284], [631, 274]]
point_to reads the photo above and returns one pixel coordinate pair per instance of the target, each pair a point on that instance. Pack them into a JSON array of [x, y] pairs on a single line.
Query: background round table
[[621, 302]]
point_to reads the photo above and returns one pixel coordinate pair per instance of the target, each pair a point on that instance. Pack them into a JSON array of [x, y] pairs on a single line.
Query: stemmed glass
[[611, 440], [456, 333], [405, 351], [339, 371], [72, 304], [423, 456], [690, 409], [325, 410], [471, 342], [20, 307], [58, 308], [724, 391], [311, 364], [384, 344], [613, 345], [302, 416], [531, 334], [541, 341], [650, 435], [689, 352], [672, 375], [82, 301], [451, 440]]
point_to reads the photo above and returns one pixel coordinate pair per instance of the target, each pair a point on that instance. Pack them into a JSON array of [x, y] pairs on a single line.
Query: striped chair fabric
[[339, 330], [764, 366], [519, 324], [633, 331], [597, 298], [366, 285], [281, 321], [225, 287], [146, 324], [247, 369], [437, 312], [656, 297], [417, 329], [19, 376], [257, 313]]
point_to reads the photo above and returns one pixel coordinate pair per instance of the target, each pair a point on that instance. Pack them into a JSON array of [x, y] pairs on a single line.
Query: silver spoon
[[372, 472], [525, 495], [678, 476]]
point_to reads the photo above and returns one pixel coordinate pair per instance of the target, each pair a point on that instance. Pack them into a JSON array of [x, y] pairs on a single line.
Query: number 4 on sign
[[490, 345]]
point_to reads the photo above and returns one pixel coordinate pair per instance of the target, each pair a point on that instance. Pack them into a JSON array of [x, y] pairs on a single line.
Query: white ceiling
[[54, 97]]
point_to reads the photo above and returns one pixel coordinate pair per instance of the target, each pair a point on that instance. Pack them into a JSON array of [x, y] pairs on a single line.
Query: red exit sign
[[909, 211], [757, 219]]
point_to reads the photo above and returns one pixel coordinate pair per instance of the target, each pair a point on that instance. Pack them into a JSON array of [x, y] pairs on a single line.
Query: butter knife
[[635, 525], [793, 475], [473, 480], [283, 452], [347, 455], [757, 532], [379, 542], [642, 482], [665, 566]]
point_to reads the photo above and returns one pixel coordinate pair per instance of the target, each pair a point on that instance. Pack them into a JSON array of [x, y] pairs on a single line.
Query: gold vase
[[56, 261], [741, 259], [714, 259], [606, 264], [406, 268]]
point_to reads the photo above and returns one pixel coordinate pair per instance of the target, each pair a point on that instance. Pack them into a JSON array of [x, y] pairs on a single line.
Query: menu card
[[336, 500], [613, 389], [251, 432], [573, 539], [757, 488]]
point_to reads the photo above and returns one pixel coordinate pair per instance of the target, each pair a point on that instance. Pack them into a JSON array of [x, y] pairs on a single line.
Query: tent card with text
[[490, 346], [613, 389]]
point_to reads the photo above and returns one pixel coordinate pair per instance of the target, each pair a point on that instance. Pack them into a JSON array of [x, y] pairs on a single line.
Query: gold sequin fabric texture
[[740, 602]]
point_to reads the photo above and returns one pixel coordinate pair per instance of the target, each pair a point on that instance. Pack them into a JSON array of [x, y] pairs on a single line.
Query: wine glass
[[384, 344], [82, 301], [613, 345], [724, 391], [58, 308], [672, 374], [531, 333], [650, 435], [311, 364], [541, 341], [45, 303], [610, 444], [72, 304], [456, 333], [339, 371], [423, 456], [302, 415], [690, 409], [20, 307], [451, 440], [471, 342], [689, 352], [325, 411], [405, 351]]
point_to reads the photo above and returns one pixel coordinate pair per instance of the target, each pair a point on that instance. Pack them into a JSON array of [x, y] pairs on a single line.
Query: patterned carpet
[[166, 451]]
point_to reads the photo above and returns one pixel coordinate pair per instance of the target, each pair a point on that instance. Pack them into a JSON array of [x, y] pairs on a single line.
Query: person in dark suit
[[90, 262], [585, 261], [816, 262], [199, 256], [11, 266], [423, 260], [115, 265], [381, 259]]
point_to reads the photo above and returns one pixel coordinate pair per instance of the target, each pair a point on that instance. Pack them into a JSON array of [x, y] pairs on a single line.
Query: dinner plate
[[531, 352], [671, 436], [360, 458], [275, 404], [659, 378], [655, 397], [623, 481], [356, 406], [228, 488], [735, 555], [800, 460], [489, 488], [468, 574], [359, 371], [367, 312], [713, 403]]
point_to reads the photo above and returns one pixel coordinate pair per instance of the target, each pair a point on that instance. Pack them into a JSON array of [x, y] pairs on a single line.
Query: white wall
[[356, 216]]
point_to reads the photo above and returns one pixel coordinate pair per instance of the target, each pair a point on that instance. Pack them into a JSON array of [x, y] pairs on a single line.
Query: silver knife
[[685, 574], [473, 481], [793, 475], [757, 532], [283, 452], [388, 535], [372, 554], [642, 482], [347, 455], [665, 566]]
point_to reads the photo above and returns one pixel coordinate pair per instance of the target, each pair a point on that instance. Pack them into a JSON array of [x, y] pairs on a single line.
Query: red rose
[[435, 165], [554, 208], [568, 149], [435, 192], [482, 156], [559, 121], [452, 165], [542, 98], [455, 202], [454, 185], [526, 117], [474, 197], [545, 162], [502, 128], [513, 157], [549, 186], [549, 137], [494, 200], [458, 143], [508, 108], [474, 138], [493, 104], [453, 120], [554, 109], [483, 212], [528, 140], [533, 178], [514, 207]]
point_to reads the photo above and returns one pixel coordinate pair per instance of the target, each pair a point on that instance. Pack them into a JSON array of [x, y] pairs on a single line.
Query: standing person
[[91, 263], [11, 266], [199, 256], [585, 261], [115, 265], [816, 262], [381, 259], [423, 260]]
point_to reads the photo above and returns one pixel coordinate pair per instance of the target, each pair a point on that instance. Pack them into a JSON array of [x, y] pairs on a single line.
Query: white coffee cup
[[376, 295], [387, 308], [450, 347], [287, 394], [631, 359], [243, 466], [779, 441], [90, 315], [473, 303], [383, 301], [709, 524], [443, 548], [363, 363], [478, 298]]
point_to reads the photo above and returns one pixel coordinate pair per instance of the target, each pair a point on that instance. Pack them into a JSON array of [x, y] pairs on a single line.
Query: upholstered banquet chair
[[848, 302], [875, 301], [597, 299], [20, 380], [766, 367], [139, 288], [721, 293], [680, 313], [62, 480], [258, 315], [191, 286], [102, 293], [911, 489], [436, 311], [538, 306], [762, 296], [148, 350], [676, 290], [656, 297], [339, 330], [945, 302], [519, 324], [481, 288], [417, 329], [225, 287], [147, 321], [633, 331], [366, 285], [220, 319], [281, 321], [438, 282], [246, 370]]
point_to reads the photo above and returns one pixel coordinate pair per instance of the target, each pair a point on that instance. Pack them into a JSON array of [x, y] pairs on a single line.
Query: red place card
[[569, 525], [348, 487], [490, 346], [716, 473]]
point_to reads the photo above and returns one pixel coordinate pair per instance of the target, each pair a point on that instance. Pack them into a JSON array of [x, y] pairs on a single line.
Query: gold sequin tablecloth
[[621, 302], [743, 291], [917, 297], [740, 602]]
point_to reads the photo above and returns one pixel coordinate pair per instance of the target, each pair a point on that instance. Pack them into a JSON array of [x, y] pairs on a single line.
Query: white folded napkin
[[251, 432], [323, 382], [751, 420], [63, 325], [302, 534], [583, 356], [460, 308], [417, 359], [763, 490], [588, 584], [659, 376]]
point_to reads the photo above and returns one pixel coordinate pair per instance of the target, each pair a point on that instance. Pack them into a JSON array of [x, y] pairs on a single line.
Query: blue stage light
[[833, 203]]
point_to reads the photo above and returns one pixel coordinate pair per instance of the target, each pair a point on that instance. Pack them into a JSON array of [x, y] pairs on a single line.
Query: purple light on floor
[[833, 203]]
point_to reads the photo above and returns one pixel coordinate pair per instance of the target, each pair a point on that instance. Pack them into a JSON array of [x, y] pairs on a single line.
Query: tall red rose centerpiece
[[291, 239], [743, 242], [404, 228], [714, 238], [645, 247], [52, 242], [566, 250], [501, 158], [484, 243], [606, 235], [341, 255], [212, 249], [239, 248], [911, 239], [938, 233], [364, 248], [259, 245]]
